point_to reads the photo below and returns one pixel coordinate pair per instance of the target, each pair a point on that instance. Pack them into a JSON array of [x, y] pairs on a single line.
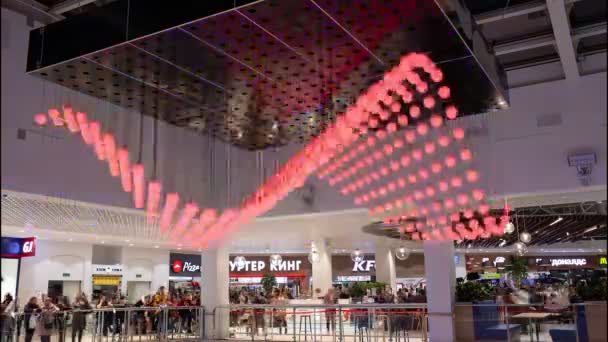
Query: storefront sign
[[18, 247], [185, 264], [106, 280], [364, 266], [562, 262], [257, 265], [490, 275], [65, 275], [602, 261], [260, 266], [107, 269], [353, 278]]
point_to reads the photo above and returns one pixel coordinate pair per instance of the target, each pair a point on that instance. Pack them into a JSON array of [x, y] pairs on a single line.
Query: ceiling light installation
[[408, 165], [436, 169]]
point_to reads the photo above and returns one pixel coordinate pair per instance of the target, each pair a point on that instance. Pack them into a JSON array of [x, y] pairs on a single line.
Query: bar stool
[[307, 325]]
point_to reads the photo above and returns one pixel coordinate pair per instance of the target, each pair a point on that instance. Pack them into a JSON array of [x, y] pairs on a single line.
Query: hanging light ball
[[525, 237], [357, 256], [522, 251], [520, 246], [240, 261], [275, 259], [509, 228], [402, 253], [313, 257]]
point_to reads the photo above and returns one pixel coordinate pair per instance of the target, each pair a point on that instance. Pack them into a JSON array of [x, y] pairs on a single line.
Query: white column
[[385, 266], [440, 284], [321, 270], [214, 291]]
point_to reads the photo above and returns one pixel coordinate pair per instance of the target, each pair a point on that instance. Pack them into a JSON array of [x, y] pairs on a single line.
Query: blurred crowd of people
[[43, 316]]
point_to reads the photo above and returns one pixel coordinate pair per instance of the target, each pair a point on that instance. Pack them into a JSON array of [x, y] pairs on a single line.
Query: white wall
[[52, 260], [9, 276], [152, 264]]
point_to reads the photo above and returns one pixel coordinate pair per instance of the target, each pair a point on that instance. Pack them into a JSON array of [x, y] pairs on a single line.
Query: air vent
[[548, 120]]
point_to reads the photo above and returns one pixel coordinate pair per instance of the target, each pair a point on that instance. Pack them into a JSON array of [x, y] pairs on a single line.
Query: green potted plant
[[470, 292], [268, 282], [518, 270], [466, 294], [358, 291]]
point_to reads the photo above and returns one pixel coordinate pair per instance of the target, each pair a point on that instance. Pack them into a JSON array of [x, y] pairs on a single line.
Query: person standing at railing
[[62, 316], [186, 314], [45, 320], [7, 321], [81, 308], [29, 317], [330, 314], [107, 316], [279, 314], [160, 300]]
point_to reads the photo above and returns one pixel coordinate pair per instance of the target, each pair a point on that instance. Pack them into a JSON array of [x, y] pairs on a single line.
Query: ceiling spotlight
[[240, 262], [313, 256], [509, 228], [567, 233], [156, 246], [275, 259], [127, 240], [402, 253], [131, 245], [70, 239], [559, 219], [525, 237], [357, 255], [502, 243], [102, 242], [179, 248]]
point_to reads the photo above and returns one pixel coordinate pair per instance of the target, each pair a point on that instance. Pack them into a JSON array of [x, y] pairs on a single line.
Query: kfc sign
[[364, 265], [18, 247], [185, 265]]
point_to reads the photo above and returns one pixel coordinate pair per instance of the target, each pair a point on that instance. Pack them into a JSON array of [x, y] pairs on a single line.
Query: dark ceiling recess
[[579, 221], [263, 74]]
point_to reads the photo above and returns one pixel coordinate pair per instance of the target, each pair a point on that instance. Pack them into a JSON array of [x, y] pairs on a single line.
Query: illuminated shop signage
[[558, 262], [107, 269], [18, 247], [260, 266], [602, 261], [185, 265], [353, 278], [257, 265], [364, 266]]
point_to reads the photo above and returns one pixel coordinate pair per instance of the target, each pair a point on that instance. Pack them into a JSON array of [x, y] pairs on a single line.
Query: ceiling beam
[[563, 38], [32, 9], [514, 11], [547, 39], [68, 5]]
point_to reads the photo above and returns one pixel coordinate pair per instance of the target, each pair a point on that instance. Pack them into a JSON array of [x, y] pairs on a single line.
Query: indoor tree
[[268, 282]]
